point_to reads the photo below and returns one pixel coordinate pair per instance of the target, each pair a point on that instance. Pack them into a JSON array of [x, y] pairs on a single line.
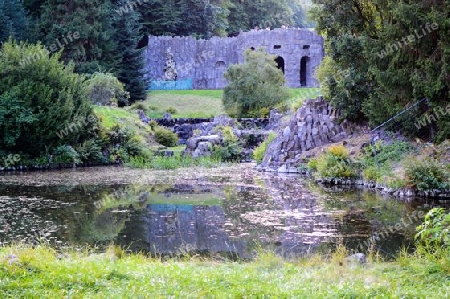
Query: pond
[[229, 211]]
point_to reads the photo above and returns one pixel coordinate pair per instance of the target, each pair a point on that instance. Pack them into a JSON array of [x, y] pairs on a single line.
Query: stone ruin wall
[[210, 58]]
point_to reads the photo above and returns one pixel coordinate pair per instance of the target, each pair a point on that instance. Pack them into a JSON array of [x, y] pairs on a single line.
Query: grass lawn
[[187, 103], [111, 116], [42, 273], [203, 103]]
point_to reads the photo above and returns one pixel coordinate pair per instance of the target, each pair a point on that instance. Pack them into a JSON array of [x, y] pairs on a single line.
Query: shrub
[[40, 98], [339, 151], [65, 154], [230, 150], [90, 151], [260, 151], [171, 110], [105, 89], [426, 174], [125, 142], [166, 137], [254, 85], [334, 163], [140, 106], [435, 230], [153, 124], [312, 164]]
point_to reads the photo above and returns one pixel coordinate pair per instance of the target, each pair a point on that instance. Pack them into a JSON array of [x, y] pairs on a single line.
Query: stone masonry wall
[[205, 61]]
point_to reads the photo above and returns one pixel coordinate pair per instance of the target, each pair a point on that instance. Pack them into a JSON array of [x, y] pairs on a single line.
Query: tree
[[130, 68], [105, 90], [83, 29], [385, 55], [255, 86], [39, 101], [13, 20]]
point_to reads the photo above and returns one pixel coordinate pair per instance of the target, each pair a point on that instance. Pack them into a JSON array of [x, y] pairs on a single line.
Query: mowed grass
[[187, 103], [42, 273], [111, 116], [205, 103]]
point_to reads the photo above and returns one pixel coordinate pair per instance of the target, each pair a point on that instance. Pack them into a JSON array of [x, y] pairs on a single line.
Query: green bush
[[105, 89], [65, 154], [230, 150], [42, 101], [426, 174], [260, 151], [90, 151], [434, 232], [171, 110], [334, 163], [254, 85], [124, 143], [166, 137]]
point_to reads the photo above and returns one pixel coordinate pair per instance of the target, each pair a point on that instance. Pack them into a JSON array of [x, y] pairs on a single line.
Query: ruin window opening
[[280, 63], [306, 47], [277, 47], [304, 62]]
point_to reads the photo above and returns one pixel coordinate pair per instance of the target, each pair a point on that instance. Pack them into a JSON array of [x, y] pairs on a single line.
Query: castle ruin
[[202, 63]]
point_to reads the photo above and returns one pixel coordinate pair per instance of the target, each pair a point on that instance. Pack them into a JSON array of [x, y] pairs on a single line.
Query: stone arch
[[280, 63], [304, 65]]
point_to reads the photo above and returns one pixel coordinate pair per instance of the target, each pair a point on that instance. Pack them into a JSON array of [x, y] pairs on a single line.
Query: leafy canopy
[[38, 99], [254, 86]]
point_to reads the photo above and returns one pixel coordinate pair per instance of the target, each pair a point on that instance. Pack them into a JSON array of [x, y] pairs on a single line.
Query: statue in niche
[[170, 71]]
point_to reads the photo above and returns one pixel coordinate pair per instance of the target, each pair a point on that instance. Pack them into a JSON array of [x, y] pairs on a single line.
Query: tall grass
[[41, 272]]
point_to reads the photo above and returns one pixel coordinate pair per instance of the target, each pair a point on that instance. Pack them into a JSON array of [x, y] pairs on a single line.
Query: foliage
[[426, 174], [90, 151], [65, 154], [260, 151], [124, 143], [13, 21], [95, 49], [105, 89], [254, 85], [377, 65], [377, 161], [171, 110], [334, 163], [434, 232], [39, 100], [230, 149], [130, 68], [166, 137]]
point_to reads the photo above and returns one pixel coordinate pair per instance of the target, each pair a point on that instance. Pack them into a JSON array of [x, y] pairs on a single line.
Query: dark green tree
[[130, 68], [255, 86], [385, 55], [13, 20], [42, 102], [84, 30]]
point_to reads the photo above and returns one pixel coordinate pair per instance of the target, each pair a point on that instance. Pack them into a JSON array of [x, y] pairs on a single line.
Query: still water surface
[[230, 211]]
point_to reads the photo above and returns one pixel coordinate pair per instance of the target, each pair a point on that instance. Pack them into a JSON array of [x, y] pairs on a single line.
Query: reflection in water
[[281, 213]]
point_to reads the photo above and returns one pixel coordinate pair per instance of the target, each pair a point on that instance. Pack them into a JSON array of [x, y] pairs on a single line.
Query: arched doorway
[[219, 68], [280, 63], [304, 64]]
